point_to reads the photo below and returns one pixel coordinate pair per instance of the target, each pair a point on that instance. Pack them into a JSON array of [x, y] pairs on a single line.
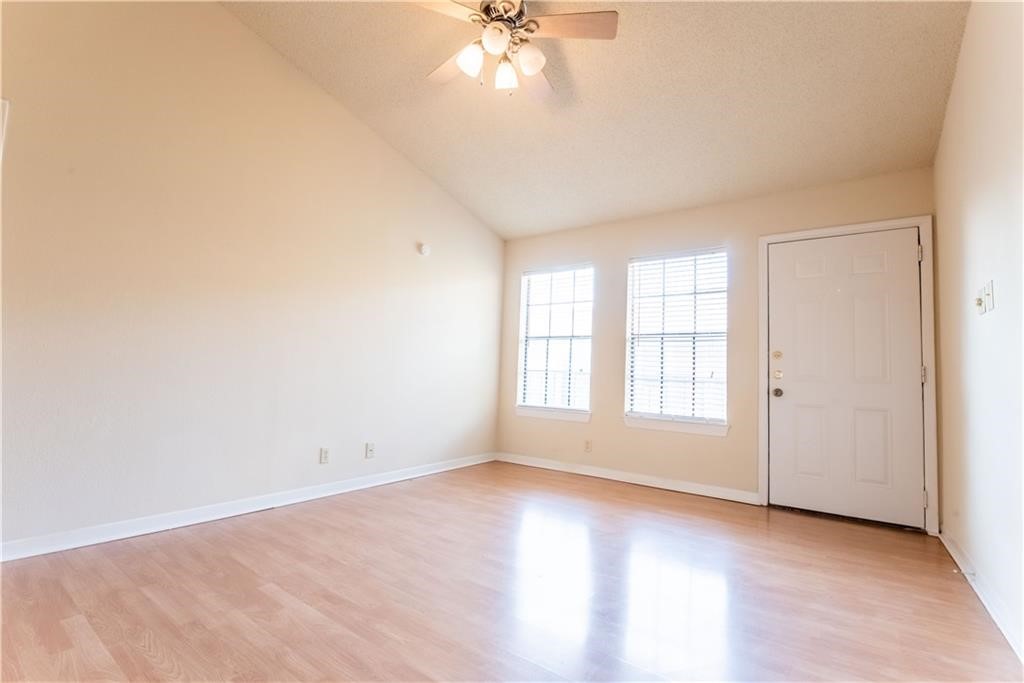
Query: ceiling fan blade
[[446, 72], [537, 86], [455, 10], [600, 25]]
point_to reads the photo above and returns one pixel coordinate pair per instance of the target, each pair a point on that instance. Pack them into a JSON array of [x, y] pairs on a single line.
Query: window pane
[[711, 312], [679, 358], [533, 393], [580, 399], [562, 286], [678, 399], [648, 276], [580, 357], [537, 319], [580, 393], [679, 313], [555, 344], [558, 355], [584, 285], [648, 316], [646, 361], [709, 400], [558, 389], [536, 354], [539, 286], [711, 358], [712, 272], [561, 320], [679, 276], [581, 319], [646, 397], [676, 354]]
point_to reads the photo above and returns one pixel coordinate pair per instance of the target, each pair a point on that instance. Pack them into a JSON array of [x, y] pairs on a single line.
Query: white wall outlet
[[370, 450], [588, 446], [325, 456]]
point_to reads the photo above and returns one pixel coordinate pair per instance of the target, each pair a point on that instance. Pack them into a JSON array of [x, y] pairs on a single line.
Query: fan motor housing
[[507, 11]]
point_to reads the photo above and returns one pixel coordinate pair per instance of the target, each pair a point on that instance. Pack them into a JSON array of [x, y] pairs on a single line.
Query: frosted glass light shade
[[471, 59], [505, 77], [531, 59], [495, 37]]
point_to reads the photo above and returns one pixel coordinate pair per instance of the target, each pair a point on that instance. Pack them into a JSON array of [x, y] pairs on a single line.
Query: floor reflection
[[676, 614], [554, 582]]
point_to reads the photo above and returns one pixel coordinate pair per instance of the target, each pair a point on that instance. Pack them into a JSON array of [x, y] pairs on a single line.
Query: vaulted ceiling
[[692, 104]]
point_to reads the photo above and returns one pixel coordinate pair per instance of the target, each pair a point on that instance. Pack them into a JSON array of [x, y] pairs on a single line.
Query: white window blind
[[554, 339], [676, 351]]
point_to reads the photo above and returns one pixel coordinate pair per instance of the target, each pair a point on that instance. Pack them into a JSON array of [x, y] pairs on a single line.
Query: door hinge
[[920, 253], [925, 497], [924, 374]]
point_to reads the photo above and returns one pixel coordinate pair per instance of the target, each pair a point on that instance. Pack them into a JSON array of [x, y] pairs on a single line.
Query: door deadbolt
[[776, 392]]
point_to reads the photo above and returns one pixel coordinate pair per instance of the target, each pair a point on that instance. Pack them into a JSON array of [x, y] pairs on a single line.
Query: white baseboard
[[101, 533], [740, 496], [997, 609]]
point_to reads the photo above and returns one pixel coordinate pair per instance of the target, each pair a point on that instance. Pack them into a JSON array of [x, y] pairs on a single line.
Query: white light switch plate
[[985, 299], [5, 107], [990, 299]]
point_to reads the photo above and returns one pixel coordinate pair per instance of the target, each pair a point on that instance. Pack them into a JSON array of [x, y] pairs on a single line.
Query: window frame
[[551, 412], [674, 423]]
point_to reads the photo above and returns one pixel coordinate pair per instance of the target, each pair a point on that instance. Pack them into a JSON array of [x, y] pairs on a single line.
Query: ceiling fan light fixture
[[495, 37], [471, 59], [505, 77], [531, 59], [505, 30]]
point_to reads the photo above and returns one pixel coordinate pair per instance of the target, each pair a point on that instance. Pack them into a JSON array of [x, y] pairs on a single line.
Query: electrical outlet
[[370, 450], [588, 446], [325, 456]]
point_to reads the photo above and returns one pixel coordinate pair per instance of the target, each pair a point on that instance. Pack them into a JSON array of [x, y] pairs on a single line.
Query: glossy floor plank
[[503, 572]]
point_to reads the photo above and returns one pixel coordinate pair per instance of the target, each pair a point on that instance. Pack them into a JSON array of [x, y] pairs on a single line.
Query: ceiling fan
[[505, 32]]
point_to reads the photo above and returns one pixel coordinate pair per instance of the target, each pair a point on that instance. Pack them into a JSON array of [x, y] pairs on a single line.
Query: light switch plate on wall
[[5, 107], [985, 300]]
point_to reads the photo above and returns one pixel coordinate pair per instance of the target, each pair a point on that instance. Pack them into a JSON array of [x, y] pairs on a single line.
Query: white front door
[[846, 419]]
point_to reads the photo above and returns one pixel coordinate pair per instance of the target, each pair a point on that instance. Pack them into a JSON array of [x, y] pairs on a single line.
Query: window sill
[[670, 425], [567, 414]]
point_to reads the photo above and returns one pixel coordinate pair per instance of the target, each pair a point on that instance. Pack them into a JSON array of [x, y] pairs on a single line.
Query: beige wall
[[730, 461], [210, 271], [978, 238]]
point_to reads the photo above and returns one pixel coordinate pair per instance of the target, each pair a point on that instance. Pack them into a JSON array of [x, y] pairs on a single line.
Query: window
[[554, 339], [676, 350]]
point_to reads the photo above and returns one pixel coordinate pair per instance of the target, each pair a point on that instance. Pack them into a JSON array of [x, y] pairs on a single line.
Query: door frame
[[931, 458]]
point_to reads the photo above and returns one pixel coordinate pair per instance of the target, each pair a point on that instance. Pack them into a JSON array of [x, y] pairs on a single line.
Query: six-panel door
[[846, 422]]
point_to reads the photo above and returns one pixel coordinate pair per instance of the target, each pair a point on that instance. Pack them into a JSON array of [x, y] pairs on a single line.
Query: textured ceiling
[[693, 103]]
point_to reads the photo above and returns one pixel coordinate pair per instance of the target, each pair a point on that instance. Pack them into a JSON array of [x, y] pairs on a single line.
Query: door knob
[[776, 392]]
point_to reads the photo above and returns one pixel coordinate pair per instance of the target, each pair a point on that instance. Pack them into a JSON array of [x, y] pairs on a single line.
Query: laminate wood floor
[[503, 572]]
